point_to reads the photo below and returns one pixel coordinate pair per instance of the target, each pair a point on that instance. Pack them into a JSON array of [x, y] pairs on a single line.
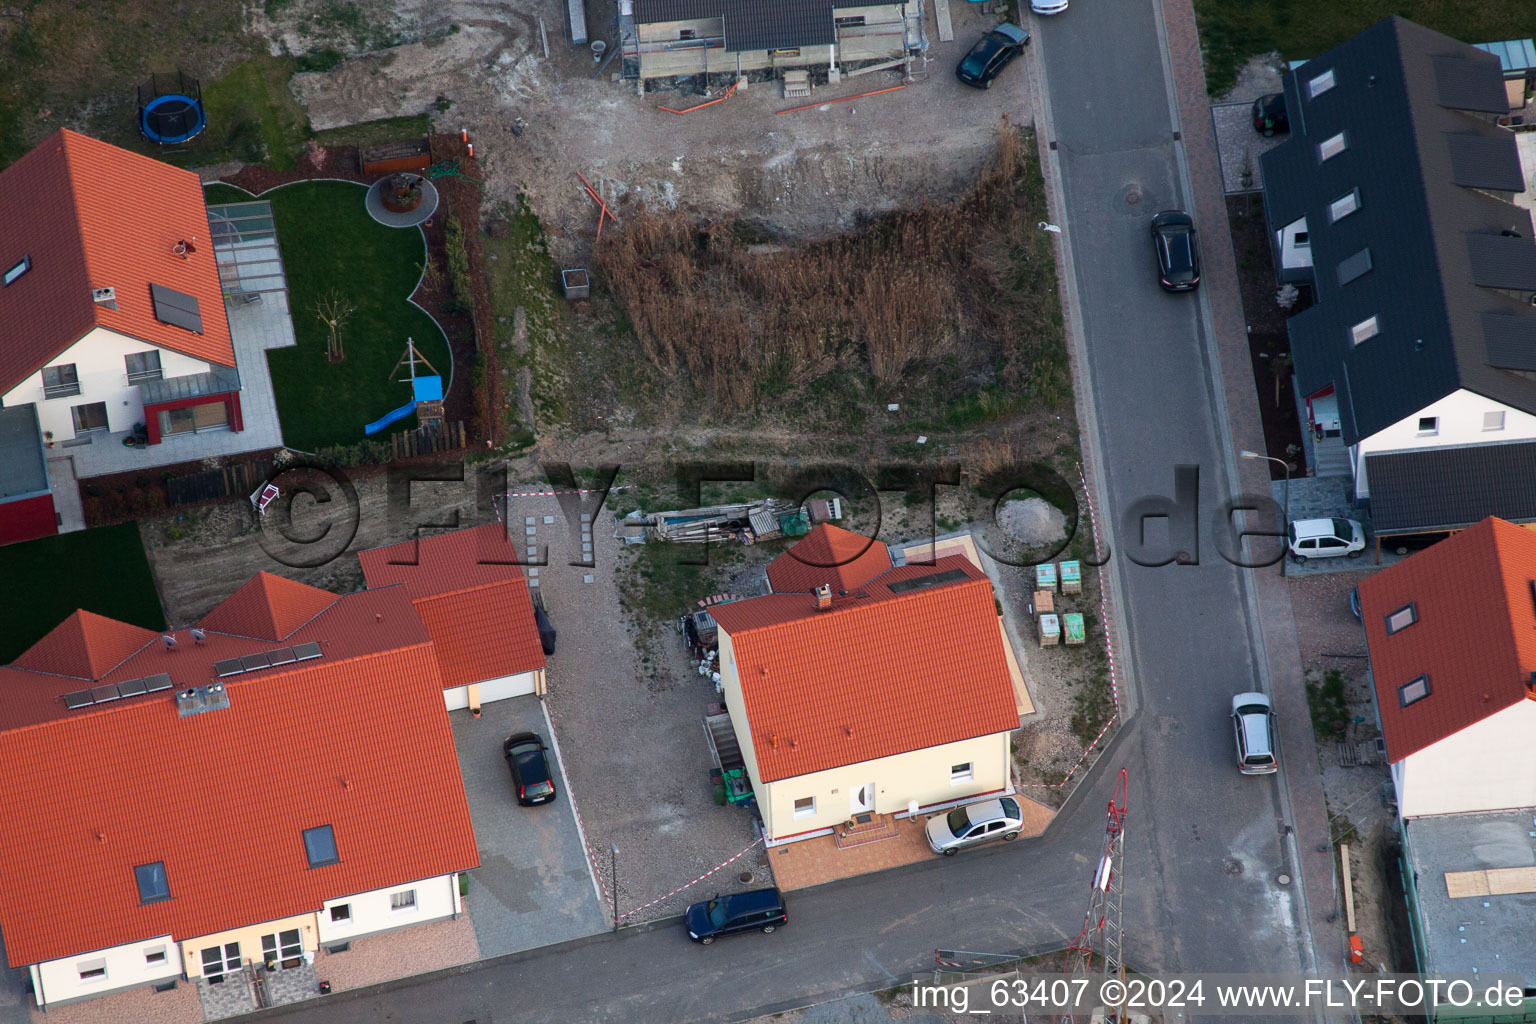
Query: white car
[[974, 823], [1253, 722], [1325, 538], [1047, 6]]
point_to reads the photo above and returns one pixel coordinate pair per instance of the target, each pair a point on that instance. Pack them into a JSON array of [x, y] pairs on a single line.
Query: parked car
[[1253, 721], [1325, 538], [759, 910], [1178, 255], [1047, 6], [991, 54], [530, 768], [1269, 115], [975, 823]]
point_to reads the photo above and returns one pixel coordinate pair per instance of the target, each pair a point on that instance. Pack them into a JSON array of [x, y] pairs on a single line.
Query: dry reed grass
[[967, 282]]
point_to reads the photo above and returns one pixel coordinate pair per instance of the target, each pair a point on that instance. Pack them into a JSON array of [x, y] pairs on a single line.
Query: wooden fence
[[428, 441], [238, 480]]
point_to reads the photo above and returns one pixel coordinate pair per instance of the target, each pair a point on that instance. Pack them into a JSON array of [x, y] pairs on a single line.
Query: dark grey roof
[[1511, 341], [1412, 214], [1353, 265], [751, 24], [1502, 261], [1463, 84], [1430, 489], [22, 469], [1481, 162]]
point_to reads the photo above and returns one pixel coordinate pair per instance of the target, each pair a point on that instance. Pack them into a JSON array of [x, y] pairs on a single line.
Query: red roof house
[[1451, 633]]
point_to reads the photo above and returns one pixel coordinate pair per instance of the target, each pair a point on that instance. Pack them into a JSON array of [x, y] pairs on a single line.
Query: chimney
[[824, 597]]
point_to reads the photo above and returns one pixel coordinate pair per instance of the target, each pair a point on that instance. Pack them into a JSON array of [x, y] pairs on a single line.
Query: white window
[[1429, 425], [959, 773], [92, 970], [1416, 690], [403, 900], [1402, 618], [154, 954], [1364, 330], [1303, 240], [1331, 147], [1344, 206], [1320, 84], [805, 807], [341, 912], [1493, 420], [15, 271]]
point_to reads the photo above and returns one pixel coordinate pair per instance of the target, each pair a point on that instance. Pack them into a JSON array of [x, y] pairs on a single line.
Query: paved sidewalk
[[1220, 290]]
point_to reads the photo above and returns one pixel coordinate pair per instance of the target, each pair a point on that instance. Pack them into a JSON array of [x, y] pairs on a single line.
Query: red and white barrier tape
[[549, 494], [696, 881]]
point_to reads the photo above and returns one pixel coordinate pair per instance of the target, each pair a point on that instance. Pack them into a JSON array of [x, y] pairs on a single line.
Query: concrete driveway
[[533, 886]]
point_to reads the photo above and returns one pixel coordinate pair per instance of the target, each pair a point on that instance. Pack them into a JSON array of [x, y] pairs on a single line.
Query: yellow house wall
[[249, 939]]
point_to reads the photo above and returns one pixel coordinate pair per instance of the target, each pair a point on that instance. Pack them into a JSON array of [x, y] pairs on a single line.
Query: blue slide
[[390, 417]]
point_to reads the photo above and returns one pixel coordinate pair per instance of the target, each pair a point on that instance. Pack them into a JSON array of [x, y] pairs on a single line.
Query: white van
[[1325, 538]]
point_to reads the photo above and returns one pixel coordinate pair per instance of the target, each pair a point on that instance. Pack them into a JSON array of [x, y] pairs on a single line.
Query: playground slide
[[390, 417]]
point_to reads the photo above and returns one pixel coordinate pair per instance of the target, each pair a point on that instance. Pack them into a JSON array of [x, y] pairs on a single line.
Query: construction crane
[[1103, 930]]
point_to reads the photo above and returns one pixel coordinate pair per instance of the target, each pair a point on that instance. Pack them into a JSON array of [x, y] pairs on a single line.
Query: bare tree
[[334, 310]]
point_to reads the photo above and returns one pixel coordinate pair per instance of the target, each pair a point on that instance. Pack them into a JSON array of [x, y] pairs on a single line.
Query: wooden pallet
[[1357, 755]]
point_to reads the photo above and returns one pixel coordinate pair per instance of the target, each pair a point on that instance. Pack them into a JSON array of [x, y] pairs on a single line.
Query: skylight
[[1413, 691], [1331, 147], [153, 886], [1402, 618], [1344, 205], [1364, 330], [18, 269], [320, 846], [1320, 84]]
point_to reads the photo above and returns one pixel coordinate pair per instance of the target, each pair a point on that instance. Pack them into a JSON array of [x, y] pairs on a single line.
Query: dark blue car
[[760, 910], [991, 54]]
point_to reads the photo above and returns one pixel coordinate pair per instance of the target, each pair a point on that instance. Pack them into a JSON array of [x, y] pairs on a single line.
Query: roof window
[[17, 269], [1413, 691], [153, 886], [1365, 330], [1344, 205], [1352, 267], [1320, 84], [1402, 618], [320, 846], [1330, 147]]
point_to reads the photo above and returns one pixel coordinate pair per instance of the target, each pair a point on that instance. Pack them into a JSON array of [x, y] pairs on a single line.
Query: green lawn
[[1231, 31], [330, 243], [102, 570], [374, 133]]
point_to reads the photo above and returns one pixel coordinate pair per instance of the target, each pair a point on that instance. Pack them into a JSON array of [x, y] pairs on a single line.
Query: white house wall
[[103, 377], [1293, 256], [371, 912], [1459, 422], [58, 981], [1490, 766]]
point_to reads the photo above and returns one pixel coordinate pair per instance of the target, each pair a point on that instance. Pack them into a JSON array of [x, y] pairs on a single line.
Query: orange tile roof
[[1475, 633], [828, 554], [85, 645], [92, 215], [361, 744], [471, 594], [872, 676], [268, 607], [483, 633]]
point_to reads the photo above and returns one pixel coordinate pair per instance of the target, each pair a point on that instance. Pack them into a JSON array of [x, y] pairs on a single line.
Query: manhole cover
[[745, 876], [1232, 866], [1132, 197], [1283, 878]]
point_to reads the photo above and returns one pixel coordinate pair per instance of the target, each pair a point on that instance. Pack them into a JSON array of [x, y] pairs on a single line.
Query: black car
[[1178, 256], [760, 910], [991, 54], [530, 768], [1269, 115]]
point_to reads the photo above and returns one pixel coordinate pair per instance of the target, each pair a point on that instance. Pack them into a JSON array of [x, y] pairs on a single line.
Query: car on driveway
[[1178, 254], [975, 823], [991, 54], [1269, 115], [525, 753], [761, 910], [1325, 538], [1253, 721]]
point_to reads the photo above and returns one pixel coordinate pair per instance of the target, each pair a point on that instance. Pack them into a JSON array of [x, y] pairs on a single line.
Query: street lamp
[[1285, 515], [1284, 521]]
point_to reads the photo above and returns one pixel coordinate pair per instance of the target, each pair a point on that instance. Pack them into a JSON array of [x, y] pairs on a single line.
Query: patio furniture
[[264, 497], [1050, 631], [1045, 576], [1072, 625], [1071, 577]]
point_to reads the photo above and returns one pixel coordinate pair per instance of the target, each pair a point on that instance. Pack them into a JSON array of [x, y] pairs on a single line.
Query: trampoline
[[171, 112]]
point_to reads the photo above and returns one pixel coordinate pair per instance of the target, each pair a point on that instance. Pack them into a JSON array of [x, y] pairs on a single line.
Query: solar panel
[[102, 694], [229, 667], [281, 656], [255, 661], [131, 687], [304, 652], [933, 579], [156, 683], [177, 308], [79, 699]]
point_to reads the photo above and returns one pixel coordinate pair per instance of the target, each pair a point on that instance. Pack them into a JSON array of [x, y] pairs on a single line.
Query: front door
[[282, 948], [863, 799]]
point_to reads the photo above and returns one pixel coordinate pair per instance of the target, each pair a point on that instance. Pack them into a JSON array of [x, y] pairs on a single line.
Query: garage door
[[456, 697], [506, 686]]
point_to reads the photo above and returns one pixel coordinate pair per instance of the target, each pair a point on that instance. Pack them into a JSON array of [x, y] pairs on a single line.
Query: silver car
[[1253, 721], [974, 823]]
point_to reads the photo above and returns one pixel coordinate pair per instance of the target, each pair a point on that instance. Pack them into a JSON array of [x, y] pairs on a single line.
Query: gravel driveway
[[636, 757]]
